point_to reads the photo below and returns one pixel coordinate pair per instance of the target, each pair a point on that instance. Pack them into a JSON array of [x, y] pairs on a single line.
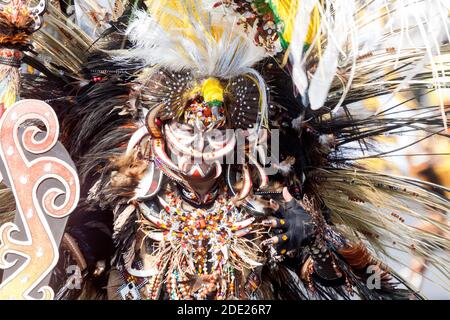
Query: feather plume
[[360, 44], [208, 44], [373, 207]]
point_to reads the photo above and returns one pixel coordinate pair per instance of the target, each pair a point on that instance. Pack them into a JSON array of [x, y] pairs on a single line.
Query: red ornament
[[158, 122], [207, 112]]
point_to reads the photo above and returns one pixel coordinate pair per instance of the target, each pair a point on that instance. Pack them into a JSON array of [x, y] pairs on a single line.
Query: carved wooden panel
[[28, 249]]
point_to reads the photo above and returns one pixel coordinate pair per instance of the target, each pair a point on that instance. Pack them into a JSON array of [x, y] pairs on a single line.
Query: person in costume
[[216, 145]]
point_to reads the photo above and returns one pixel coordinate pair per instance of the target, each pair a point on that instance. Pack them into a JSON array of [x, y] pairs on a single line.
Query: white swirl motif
[[39, 249]]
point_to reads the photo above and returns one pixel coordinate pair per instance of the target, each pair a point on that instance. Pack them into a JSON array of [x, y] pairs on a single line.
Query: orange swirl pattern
[[39, 249]]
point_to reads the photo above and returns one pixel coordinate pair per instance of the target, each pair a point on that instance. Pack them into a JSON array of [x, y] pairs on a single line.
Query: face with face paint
[[189, 124], [198, 151]]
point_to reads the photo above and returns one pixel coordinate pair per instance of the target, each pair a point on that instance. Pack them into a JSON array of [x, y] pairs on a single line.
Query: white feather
[[350, 29], [302, 21], [208, 55], [321, 81]]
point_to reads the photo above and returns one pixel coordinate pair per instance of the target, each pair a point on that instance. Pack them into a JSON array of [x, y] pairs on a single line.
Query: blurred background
[[427, 160]]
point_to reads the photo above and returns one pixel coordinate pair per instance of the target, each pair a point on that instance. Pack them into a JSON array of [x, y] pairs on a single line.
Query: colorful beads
[[204, 236], [198, 110], [10, 57]]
